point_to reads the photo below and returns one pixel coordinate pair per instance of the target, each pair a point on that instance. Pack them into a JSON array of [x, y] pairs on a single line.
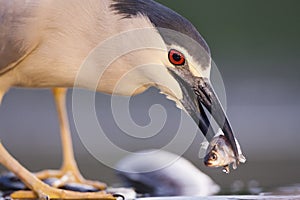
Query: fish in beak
[[198, 94], [220, 154]]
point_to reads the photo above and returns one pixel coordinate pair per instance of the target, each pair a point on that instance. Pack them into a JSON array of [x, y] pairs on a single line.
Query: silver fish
[[220, 154]]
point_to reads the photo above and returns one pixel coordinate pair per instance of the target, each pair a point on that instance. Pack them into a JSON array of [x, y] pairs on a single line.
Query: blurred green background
[[255, 45]]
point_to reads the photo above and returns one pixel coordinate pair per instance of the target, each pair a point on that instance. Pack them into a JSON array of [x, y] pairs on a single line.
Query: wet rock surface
[[10, 183]]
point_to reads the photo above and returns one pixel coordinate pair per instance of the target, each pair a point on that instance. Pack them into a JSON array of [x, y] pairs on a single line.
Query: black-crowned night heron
[[44, 43]]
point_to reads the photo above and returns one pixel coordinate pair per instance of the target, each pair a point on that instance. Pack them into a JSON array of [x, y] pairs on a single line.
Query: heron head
[[186, 64]]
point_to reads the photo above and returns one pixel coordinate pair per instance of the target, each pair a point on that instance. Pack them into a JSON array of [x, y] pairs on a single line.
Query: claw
[[118, 196]]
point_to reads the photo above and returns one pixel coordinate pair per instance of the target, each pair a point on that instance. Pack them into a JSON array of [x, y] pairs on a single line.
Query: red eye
[[176, 58]]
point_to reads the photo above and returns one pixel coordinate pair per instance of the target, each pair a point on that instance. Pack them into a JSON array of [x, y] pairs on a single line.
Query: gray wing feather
[[12, 14]]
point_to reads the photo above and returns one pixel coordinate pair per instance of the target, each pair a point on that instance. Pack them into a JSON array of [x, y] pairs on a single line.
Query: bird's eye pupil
[[176, 57]]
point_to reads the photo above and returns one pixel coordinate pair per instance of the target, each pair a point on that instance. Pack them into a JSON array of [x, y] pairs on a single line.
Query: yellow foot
[[44, 191], [54, 193], [41, 190], [65, 177]]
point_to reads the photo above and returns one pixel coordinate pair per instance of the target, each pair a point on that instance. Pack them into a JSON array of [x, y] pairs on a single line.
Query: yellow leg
[[42, 190], [69, 171], [39, 188], [2, 93], [69, 163]]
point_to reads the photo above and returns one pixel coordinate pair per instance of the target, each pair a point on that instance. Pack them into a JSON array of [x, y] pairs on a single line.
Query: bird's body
[[113, 46], [53, 38]]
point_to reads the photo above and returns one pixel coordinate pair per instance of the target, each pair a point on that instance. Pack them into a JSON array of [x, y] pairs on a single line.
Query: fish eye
[[214, 156], [176, 57]]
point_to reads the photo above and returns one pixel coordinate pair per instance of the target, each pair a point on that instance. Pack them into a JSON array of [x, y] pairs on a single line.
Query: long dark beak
[[197, 94]]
